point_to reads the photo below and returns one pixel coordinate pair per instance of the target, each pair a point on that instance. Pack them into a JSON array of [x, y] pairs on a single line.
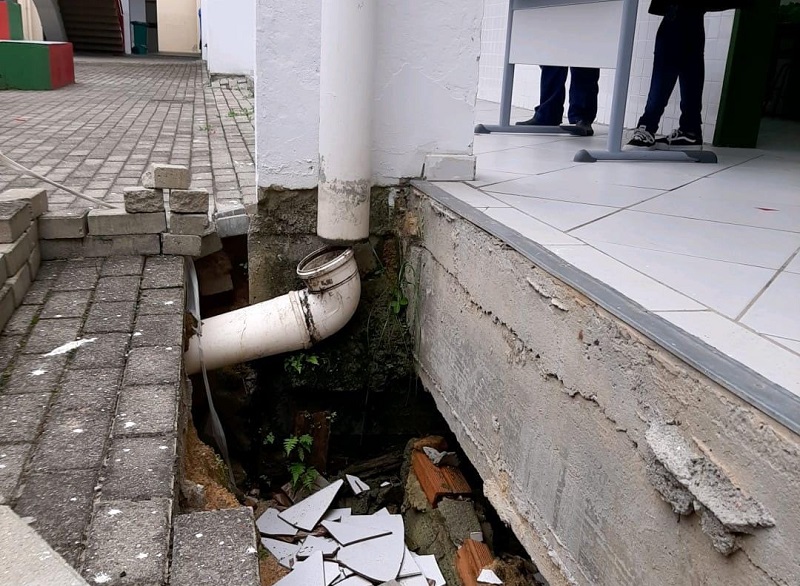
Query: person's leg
[[666, 65], [583, 90], [552, 94], [692, 71]]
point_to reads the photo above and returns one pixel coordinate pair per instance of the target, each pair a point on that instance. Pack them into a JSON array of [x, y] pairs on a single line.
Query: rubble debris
[[311, 572], [471, 559], [337, 514], [271, 524], [312, 544], [409, 567], [430, 569], [356, 484], [488, 577], [284, 552], [441, 458], [308, 513], [438, 482], [377, 559], [351, 530]]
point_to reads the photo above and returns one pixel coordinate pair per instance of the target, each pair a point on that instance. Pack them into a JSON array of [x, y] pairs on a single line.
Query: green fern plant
[[297, 449]]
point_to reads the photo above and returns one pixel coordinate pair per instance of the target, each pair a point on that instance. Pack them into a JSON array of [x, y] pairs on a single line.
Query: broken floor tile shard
[[271, 524], [353, 529], [69, 347], [429, 567], [282, 551], [442, 458], [307, 513], [409, 566], [418, 580], [356, 484], [332, 572], [488, 577], [377, 559], [705, 481], [308, 573], [337, 514], [354, 581], [327, 546]]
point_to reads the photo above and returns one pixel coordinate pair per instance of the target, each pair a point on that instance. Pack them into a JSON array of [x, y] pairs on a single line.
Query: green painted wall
[[24, 66]]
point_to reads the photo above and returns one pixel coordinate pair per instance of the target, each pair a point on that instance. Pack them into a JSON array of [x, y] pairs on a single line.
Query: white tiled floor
[[714, 249]]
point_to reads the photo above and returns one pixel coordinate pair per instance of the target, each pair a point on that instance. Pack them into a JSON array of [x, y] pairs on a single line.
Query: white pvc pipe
[[287, 323], [347, 62]]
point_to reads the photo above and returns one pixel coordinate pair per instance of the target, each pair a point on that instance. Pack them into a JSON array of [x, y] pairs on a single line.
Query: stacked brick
[[141, 228], [20, 255]]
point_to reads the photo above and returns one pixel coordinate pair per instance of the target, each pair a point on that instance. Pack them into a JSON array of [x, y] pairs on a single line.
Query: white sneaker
[[642, 139]]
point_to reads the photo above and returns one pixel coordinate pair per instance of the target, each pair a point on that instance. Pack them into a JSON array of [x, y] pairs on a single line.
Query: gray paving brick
[[12, 463], [50, 270], [33, 373], [161, 301], [23, 319], [35, 261], [117, 289], [73, 440], [154, 366], [140, 468], [182, 245], [21, 416], [120, 266], [94, 392], [15, 218], [192, 224], [76, 278], [189, 201], [147, 410], [7, 304], [158, 330], [129, 542], [20, 283], [117, 222], [35, 198], [63, 224], [162, 272], [143, 200], [16, 253], [224, 554], [108, 352], [162, 176], [50, 334], [10, 345], [110, 317], [64, 304], [37, 292], [60, 504]]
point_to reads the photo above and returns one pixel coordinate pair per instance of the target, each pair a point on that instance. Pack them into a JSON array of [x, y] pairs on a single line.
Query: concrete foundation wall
[[551, 397], [229, 44], [426, 82]]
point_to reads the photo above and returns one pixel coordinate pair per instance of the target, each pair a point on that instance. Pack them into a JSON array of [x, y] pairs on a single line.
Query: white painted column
[[347, 66]]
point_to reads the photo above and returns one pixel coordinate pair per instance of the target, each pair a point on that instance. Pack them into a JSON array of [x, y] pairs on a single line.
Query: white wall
[[425, 87], [526, 95], [178, 26], [31, 25], [229, 44]]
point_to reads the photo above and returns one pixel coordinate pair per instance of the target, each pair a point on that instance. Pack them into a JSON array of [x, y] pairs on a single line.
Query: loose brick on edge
[[140, 200], [160, 176], [60, 224], [99, 246], [17, 253], [15, 218], [36, 198], [188, 201], [117, 222], [188, 224]]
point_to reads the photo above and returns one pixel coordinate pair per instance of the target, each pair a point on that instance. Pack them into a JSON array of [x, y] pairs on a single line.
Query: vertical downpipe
[[347, 64]]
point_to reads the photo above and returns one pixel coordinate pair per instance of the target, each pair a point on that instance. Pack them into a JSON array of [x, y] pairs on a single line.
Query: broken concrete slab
[[307, 513], [215, 548], [269, 523], [163, 176], [25, 558], [63, 224], [189, 201], [377, 559], [140, 200]]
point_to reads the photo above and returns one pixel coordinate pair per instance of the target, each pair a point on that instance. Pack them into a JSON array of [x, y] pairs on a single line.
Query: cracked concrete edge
[[25, 558], [772, 399]]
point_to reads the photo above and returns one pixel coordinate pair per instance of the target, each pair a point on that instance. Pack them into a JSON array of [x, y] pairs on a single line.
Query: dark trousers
[[583, 90], [678, 57]]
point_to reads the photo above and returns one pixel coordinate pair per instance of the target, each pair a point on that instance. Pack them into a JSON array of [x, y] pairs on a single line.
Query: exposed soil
[[203, 467]]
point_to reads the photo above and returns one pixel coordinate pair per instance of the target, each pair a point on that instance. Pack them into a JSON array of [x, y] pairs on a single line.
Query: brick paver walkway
[[99, 135], [88, 438]]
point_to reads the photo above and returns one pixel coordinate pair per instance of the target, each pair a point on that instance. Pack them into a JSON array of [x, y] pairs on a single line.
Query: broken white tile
[[384, 512], [308, 573], [271, 524], [337, 514], [354, 529], [356, 484], [488, 577], [409, 567], [282, 551], [69, 347], [326, 545], [307, 513], [353, 581], [429, 567], [331, 572], [476, 536], [377, 559], [385, 484], [418, 580]]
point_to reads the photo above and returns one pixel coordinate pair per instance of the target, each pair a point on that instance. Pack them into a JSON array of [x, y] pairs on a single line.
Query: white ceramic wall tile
[[534, 230], [640, 288], [777, 311], [567, 187], [725, 287], [704, 200], [718, 35], [559, 214], [761, 355], [470, 195], [726, 242]]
